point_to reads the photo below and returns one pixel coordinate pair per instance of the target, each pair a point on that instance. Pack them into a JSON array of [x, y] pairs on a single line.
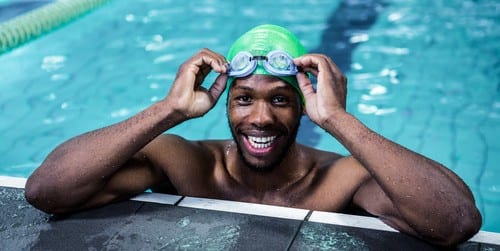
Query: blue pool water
[[424, 73]]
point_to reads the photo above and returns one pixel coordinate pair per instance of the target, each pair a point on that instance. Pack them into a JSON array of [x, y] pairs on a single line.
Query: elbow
[[467, 227], [37, 194], [460, 230], [34, 194]]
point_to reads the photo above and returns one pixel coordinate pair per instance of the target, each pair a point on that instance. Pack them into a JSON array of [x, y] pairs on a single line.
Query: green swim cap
[[265, 38]]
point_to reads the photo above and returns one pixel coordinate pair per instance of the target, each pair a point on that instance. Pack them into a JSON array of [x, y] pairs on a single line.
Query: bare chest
[[306, 196]]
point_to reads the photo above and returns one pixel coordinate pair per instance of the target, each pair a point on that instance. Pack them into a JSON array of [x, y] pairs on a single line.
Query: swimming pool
[[422, 73]]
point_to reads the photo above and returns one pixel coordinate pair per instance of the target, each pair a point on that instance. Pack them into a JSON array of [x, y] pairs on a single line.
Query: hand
[[330, 97], [187, 96]]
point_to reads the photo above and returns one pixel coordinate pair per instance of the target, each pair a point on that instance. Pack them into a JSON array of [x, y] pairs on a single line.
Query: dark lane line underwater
[[349, 17], [10, 10]]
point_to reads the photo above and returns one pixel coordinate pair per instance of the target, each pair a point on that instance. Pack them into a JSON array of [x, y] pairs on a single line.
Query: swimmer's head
[[266, 50]]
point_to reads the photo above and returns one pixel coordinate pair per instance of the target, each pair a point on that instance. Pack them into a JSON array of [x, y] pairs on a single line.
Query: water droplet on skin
[[228, 148]]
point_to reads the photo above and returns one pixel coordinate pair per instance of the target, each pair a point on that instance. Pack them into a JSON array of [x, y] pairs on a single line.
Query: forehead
[[260, 83]]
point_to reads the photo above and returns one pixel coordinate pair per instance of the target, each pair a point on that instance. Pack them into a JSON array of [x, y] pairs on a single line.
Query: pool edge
[[363, 222]]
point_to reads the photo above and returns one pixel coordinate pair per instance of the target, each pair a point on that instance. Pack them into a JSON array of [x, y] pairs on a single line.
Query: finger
[[339, 79], [204, 70], [305, 86], [321, 67], [207, 58], [218, 86], [216, 61], [206, 63], [193, 71], [307, 64], [336, 72], [313, 71]]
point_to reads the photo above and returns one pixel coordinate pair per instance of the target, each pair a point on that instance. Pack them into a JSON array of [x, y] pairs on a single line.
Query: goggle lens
[[240, 62], [280, 62]]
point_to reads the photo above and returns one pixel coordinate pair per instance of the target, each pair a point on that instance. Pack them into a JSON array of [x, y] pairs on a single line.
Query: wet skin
[[264, 163]]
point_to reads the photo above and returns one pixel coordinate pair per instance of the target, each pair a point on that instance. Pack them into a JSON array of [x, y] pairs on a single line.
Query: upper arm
[[370, 197], [367, 194], [167, 159], [374, 200]]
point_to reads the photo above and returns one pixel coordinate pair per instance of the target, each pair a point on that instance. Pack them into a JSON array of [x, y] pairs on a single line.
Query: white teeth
[[261, 142]]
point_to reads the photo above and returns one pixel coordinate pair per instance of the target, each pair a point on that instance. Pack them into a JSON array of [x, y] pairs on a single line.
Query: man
[[269, 91]]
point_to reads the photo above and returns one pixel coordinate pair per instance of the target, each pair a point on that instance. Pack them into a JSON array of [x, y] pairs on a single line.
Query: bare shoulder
[[179, 146], [335, 180], [349, 170]]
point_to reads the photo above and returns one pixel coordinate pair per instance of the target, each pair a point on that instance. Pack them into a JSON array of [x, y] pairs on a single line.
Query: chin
[[262, 162]]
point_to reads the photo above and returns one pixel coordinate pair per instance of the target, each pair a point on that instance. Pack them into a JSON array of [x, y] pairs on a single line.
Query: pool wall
[[174, 223]]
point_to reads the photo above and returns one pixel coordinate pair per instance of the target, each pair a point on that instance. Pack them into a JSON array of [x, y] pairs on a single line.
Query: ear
[[302, 106], [304, 112]]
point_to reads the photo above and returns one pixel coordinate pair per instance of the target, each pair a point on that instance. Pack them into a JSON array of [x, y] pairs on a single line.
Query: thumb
[[218, 86], [305, 86]]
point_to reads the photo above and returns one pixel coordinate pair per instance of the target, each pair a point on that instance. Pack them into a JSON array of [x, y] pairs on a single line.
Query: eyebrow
[[285, 87], [246, 88]]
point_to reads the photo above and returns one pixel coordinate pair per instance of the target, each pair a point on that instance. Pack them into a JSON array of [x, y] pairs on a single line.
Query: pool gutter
[[361, 222]]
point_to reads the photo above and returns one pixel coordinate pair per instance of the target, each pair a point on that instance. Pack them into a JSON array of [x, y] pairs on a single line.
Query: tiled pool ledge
[[278, 212], [266, 210], [12, 182], [289, 213]]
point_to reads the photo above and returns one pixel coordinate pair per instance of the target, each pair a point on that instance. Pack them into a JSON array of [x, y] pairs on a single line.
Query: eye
[[244, 100], [280, 100]]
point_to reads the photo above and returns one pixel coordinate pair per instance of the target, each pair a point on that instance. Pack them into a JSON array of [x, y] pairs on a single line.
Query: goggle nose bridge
[[259, 58]]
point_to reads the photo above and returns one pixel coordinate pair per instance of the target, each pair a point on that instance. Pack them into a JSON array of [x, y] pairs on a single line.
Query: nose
[[261, 115]]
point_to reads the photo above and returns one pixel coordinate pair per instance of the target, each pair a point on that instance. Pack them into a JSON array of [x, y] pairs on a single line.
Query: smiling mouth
[[261, 142]]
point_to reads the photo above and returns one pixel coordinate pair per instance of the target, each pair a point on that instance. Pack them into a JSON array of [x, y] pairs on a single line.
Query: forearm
[[418, 187], [82, 165], [408, 190], [390, 163]]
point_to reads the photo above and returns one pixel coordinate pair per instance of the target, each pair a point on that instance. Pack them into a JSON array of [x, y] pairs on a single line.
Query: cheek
[[235, 115], [288, 117], [232, 113]]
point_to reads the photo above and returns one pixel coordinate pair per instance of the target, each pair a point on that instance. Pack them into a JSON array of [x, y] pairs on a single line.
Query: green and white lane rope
[[26, 27]]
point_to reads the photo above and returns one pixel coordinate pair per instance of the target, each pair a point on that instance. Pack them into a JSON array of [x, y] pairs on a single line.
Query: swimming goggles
[[277, 63]]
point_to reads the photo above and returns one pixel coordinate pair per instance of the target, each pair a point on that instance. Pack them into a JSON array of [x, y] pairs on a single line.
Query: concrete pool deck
[[166, 222]]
